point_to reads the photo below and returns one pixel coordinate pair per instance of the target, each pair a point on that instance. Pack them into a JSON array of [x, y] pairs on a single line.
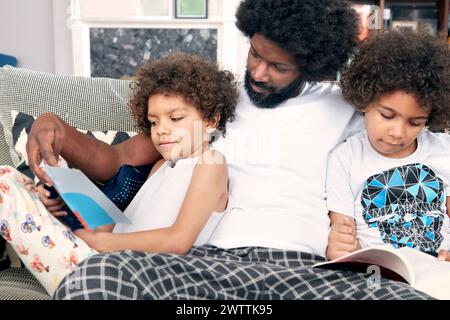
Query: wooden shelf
[[441, 5]]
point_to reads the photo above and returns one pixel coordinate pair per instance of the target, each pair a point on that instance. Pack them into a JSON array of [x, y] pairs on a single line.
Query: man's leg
[[204, 273], [211, 273], [289, 275]]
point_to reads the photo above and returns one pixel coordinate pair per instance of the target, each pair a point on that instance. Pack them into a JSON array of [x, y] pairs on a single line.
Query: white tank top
[[159, 201]]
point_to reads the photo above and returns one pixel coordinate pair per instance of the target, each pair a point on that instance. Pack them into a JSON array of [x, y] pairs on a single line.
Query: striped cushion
[[19, 284], [86, 103]]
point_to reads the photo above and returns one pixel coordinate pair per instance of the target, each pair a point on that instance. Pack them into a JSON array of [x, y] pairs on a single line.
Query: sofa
[[96, 106]]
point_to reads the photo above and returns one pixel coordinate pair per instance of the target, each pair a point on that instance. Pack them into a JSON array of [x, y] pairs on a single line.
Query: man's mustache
[[261, 85]]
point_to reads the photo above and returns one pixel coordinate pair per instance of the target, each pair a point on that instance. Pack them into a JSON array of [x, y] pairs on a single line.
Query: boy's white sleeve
[[438, 145], [340, 198], [445, 231]]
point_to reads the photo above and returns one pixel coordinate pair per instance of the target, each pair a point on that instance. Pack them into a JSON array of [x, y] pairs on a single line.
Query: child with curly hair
[[181, 101], [389, 184]]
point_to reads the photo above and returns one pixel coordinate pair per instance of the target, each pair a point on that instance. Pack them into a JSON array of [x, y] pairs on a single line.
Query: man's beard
[[275, 96]]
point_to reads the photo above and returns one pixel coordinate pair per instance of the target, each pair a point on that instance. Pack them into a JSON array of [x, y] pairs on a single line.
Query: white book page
[[431, 275], [383, 256]]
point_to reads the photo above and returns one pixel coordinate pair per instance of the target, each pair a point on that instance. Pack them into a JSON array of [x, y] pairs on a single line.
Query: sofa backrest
[[86, 103]]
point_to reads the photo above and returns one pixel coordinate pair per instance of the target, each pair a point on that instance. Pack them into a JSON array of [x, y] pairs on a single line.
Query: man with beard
[[276, 224]]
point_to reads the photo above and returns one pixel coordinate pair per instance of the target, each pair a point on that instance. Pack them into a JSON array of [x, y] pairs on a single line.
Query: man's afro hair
[[320, 34]]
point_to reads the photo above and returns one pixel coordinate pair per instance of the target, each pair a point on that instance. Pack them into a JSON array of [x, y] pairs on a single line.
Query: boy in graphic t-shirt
[[389, 184]]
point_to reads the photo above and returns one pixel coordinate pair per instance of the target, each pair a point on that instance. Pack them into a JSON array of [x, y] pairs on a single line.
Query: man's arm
[[50, 137]]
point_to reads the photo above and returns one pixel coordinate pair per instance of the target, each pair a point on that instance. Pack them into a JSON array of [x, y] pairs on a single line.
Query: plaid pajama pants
[[208, 272]]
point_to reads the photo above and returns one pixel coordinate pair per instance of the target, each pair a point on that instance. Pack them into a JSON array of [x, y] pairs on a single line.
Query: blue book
[[88, 203]]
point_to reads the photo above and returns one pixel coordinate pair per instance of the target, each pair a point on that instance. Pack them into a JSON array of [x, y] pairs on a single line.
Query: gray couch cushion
[[86, 103], [19, 284]]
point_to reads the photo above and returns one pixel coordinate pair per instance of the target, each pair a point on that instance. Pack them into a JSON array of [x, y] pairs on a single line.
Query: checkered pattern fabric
[[211, 273], [86, 103]]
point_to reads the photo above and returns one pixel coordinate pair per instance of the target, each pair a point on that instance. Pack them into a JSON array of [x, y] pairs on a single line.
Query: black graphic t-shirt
[[405, 205]]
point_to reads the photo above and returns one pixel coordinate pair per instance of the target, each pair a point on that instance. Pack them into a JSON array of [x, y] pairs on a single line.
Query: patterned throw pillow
[[83, 102], [21, 125]]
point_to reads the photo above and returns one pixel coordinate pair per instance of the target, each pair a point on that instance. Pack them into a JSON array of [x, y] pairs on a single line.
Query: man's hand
[[50, 137], [342, 236], [45, 143]]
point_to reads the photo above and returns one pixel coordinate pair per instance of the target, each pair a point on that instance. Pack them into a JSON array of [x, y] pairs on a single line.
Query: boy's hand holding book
[[342, 237], [53, 203], [444, 255]]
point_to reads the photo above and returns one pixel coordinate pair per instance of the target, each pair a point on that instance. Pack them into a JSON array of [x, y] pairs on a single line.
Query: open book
[[89, 204], [422, 271]]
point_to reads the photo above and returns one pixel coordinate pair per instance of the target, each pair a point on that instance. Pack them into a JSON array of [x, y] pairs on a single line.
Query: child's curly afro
[[402, 60]]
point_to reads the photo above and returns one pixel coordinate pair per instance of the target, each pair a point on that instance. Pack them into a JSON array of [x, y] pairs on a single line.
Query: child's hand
[[29, 184], [53, 205], [342, 238], [444, 255]]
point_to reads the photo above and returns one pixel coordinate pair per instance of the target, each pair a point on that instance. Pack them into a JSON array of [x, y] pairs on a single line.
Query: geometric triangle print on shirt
[[404, 203]]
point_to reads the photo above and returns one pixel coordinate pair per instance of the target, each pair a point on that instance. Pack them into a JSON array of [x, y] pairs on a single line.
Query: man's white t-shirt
[[277, 164], [398, 202]]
